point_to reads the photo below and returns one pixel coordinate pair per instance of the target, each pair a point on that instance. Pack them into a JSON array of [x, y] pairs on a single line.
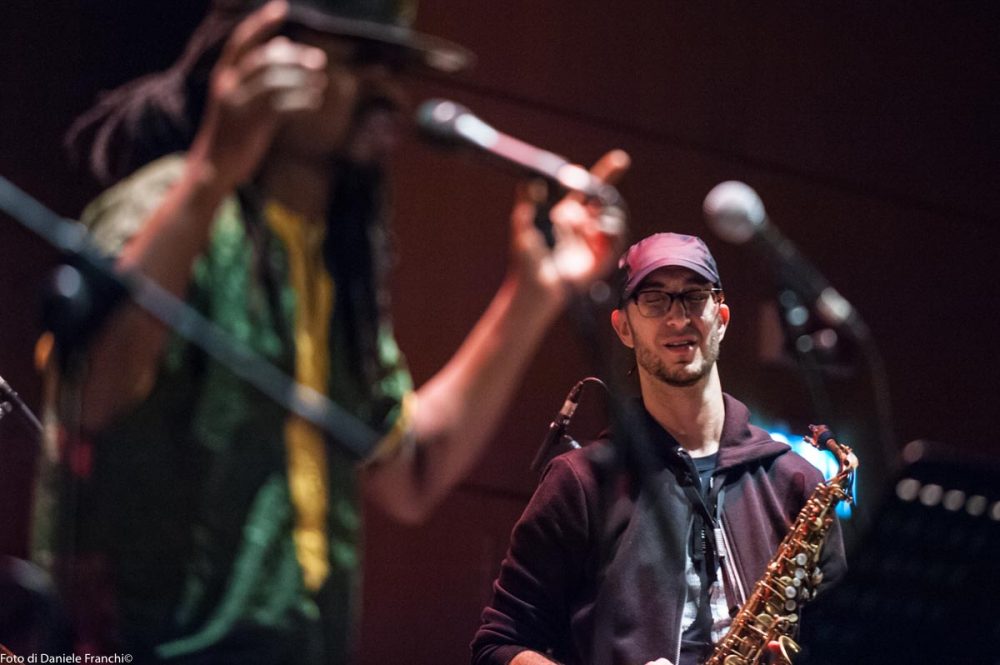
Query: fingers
[[609, 169], [587, 217], [589, 233], [612, 166], [258, 70], [527, 197], [258, 81], [253, 31], [283, 74], [585, 246]]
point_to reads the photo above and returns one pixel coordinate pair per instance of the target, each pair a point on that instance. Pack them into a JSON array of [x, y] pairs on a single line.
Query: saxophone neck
[[821, 438]]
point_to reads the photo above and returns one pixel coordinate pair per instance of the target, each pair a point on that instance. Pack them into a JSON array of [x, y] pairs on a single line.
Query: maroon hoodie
[[568, 591]]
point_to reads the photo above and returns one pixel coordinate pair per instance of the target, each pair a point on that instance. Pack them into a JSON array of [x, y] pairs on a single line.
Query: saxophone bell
[[783, 650]]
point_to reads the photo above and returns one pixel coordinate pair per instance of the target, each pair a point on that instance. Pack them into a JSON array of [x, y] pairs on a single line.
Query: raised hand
[[586, 245], [259, 79]]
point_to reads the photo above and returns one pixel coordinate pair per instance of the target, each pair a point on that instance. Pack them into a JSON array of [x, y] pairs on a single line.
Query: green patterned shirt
[[186, 508]]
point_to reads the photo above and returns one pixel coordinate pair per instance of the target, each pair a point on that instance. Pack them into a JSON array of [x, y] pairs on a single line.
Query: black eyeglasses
[[654, 303]]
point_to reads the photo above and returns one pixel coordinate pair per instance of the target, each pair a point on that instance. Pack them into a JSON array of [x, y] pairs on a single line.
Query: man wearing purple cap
[[197, 521], [588, 578]]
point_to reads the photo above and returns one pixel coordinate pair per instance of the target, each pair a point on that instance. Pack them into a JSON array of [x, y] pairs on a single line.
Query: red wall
[[866, 130]]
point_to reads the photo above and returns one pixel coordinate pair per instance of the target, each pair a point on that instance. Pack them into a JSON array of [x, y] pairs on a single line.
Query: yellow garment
[[307, 462]]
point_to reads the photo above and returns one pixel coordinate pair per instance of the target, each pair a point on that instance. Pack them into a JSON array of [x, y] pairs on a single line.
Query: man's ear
[[619, 321], [723, 319]]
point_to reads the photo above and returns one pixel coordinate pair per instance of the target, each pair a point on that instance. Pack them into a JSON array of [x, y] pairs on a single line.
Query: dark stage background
[[869, 129]]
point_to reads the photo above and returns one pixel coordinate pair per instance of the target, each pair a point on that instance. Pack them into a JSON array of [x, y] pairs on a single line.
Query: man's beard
[[680, 376]]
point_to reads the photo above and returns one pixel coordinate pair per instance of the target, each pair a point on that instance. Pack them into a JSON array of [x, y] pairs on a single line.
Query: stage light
[[822, 460]]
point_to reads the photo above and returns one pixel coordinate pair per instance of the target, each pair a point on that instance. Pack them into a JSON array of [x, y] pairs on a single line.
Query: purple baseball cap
[[666, 249]]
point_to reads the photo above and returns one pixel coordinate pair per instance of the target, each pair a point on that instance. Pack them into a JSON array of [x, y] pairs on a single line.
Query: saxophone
[[760, 632]]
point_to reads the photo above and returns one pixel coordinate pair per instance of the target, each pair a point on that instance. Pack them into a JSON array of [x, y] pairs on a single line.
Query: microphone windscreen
[[734, 211], [435, 119]]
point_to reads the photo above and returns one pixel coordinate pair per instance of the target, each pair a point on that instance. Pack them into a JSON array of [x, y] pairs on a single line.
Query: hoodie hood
[[743, 443]]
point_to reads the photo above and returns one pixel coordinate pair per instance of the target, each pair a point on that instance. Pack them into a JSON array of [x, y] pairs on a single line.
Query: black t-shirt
[[705, 466]]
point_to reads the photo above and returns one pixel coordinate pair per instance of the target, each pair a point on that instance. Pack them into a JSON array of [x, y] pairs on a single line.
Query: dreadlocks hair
[[159, 114], [151, 116]]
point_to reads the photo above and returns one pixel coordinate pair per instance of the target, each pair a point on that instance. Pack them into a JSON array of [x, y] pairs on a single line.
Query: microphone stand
[[851, 325], [880, 458], [88, 289], [631, 453], [736, 213], [10, 400], [790, 307]]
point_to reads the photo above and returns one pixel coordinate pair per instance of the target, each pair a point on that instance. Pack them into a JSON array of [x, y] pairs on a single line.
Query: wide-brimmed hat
[[386, 22]]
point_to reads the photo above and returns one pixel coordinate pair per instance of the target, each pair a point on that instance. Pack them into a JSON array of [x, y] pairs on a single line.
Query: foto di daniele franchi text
[[66, 658]]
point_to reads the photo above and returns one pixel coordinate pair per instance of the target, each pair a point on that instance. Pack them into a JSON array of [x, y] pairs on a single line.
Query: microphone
[[8, 397], [736, 214], [557, 429], [447, 123]]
